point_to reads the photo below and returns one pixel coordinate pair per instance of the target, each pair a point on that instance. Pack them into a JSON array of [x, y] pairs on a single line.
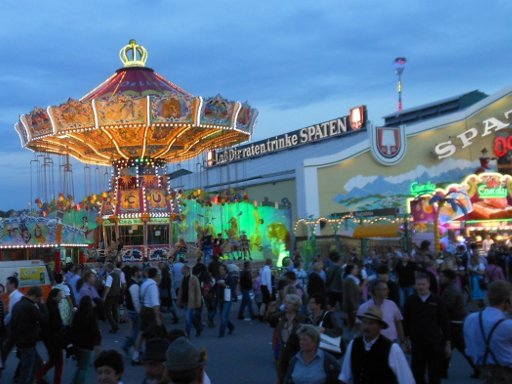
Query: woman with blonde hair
[[287, 323]]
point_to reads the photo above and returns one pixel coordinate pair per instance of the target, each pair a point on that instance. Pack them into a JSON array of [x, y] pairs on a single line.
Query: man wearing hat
[[372, 358], [154, 360], [184, 363]]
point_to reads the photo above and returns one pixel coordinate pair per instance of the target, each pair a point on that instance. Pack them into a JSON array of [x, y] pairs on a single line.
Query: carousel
[[137, 122]]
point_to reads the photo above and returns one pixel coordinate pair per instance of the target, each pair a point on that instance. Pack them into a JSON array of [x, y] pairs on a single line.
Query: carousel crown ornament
[[133, 55]]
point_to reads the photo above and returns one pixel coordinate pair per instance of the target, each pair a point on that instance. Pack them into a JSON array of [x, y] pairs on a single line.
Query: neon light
[[485, 192], [417, 189]]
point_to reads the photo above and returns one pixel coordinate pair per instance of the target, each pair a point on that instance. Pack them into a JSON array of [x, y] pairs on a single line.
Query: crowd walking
[[337, 319]]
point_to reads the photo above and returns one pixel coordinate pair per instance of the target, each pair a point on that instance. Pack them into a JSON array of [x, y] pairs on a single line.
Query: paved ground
[[243, 357]]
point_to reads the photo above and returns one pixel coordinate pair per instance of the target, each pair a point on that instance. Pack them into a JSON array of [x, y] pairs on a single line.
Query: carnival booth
[[480, 205], [49, 239]]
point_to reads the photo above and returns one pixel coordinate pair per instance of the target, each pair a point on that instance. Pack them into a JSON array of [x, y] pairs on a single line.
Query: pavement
[[243, 357]]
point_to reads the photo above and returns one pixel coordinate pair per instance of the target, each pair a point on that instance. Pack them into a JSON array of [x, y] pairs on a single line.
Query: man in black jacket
[[27, 319], [454, 302], [428, 327], [246, 287]]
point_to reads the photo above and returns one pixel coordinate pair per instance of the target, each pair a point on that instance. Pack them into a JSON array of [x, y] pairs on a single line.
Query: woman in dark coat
[[86, 336], [287, 324], [165, 290], [51, 334]]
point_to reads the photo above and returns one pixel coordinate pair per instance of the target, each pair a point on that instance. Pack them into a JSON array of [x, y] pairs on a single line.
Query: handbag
[[334, 345]]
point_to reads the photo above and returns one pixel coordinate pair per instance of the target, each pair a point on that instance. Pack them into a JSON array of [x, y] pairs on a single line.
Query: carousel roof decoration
[[136, 113]]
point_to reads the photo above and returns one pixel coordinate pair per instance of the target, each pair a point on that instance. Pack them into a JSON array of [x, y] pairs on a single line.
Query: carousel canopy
[[136, 113]]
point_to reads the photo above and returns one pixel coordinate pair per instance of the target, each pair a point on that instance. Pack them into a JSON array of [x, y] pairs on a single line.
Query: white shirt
[[14, 297], [266, 278], [109, 280], [135, 295], [149, 295], [486, 244], [397, 363], [177, 276], [64, 288], [391, 314], [122, 276]]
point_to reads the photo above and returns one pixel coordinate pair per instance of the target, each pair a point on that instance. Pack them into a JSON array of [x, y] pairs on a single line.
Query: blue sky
[[297, 62]]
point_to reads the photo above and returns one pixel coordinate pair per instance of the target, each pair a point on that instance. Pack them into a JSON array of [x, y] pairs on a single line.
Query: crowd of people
[[338, 319]]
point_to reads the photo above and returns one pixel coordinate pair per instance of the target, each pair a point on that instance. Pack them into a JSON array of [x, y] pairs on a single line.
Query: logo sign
[[388, 144], [502, 145], [322, 131], [466, 138], [368, 213], [357, 117], [418, 189], [497, 192]]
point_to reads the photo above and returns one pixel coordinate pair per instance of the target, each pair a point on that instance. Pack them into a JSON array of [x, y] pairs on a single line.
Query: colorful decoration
[[137, 113]]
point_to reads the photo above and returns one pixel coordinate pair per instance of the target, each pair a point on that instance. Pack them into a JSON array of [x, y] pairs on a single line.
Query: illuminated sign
[[341, 126], [502, 145], [485, 192], [466, 138], [417, 189]]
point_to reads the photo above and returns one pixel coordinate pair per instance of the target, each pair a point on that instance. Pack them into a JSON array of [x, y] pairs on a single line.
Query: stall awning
[[377, 230]]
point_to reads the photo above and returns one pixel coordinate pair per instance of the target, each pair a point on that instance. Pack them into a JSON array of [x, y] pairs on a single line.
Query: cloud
[[359, 181], [434, 171], [297, 62]]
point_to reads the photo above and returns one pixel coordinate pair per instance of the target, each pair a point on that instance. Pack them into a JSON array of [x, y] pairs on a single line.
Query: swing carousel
[[137, 122]]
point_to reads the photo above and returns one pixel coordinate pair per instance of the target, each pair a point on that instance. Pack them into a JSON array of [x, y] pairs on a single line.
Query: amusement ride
[[137, 122]]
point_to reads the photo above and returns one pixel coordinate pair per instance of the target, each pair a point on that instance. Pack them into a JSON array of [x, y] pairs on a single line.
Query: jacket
[[331, 367], [194, 293], [26, 322]]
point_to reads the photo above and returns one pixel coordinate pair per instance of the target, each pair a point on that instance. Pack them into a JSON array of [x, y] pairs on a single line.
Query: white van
[[28, 272]]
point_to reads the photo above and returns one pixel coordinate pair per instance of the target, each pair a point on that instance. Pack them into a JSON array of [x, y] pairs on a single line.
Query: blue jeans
[[405, 292], [225, 309], [246, 301], [83, 360], [28, 358], [135, 320], [191, 319]]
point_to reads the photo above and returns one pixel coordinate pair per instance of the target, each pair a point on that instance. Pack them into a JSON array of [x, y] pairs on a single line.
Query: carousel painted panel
[[171, 108], [156, 201], [72, 115], [246, 118], [38, 123], [217, 110], [130, 201], [22, 133], [158, 252], [121, 109]]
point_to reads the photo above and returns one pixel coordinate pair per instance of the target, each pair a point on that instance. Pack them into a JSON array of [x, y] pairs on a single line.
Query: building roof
[[434, 109]]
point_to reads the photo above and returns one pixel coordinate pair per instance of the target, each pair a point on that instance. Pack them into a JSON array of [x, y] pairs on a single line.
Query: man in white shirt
[[177, 275], [266, 286], [133, 307], [150, 314], [14, 296], [372, 357], [487, 243], [150, 298]]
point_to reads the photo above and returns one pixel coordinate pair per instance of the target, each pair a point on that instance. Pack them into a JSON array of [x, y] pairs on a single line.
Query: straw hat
[[375, 314]]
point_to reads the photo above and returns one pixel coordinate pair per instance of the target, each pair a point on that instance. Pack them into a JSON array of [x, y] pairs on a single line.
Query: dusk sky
[[297, 62]]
